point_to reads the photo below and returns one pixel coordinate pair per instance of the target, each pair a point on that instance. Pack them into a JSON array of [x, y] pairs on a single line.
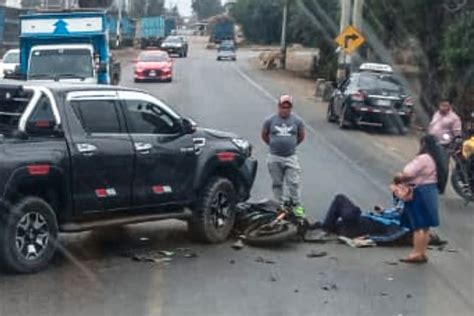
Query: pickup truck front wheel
[[28, 235], [214, 214]]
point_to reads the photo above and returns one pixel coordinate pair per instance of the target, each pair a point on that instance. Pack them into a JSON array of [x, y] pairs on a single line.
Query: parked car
[[371, 97], [227, 50], [175, 45], [153, 65], [76, 158], [10, 63]]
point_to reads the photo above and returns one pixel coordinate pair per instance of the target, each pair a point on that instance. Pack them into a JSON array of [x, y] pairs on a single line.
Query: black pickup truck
[[75, 158]]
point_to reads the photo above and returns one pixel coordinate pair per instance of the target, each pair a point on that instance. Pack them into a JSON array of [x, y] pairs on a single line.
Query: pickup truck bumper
[[249, 172]]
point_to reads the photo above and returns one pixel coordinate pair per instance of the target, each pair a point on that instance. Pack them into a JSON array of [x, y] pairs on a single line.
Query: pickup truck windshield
[[55, 63]]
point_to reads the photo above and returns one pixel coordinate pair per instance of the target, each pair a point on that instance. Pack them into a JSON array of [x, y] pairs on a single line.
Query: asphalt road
[[95, 275]]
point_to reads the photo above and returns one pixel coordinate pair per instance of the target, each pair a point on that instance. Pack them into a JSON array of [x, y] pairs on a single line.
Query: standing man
[[283, 132], [445, 125]]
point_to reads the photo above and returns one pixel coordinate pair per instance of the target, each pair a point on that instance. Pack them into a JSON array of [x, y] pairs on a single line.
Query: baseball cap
[[286, 98]]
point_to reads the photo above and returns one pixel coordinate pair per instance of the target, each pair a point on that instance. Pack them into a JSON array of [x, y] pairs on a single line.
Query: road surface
[[96, 276]]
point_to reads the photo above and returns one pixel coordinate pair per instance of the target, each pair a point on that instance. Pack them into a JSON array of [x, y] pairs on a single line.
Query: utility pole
[[357, 21], [344, 59], [283, 34], [119, 23]]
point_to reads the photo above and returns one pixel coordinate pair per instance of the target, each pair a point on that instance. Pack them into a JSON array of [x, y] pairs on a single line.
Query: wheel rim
[[32, 236], [220, 210]]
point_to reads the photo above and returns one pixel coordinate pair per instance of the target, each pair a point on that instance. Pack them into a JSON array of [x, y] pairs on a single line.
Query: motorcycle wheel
[[282, 233], [460, 187]]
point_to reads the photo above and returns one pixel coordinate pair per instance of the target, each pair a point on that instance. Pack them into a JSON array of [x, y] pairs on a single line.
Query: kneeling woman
[[428, 175]]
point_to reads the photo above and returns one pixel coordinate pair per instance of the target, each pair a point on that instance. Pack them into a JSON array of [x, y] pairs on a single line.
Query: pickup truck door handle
[[86, 149], [143, 148]]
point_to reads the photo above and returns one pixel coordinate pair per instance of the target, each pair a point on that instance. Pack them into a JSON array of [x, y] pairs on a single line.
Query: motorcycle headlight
[[243, 145]]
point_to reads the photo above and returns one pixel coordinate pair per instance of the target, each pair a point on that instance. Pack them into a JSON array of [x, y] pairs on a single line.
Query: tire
[[204, 226], [136, 80], [218, 59], [460, 190], [286, 233], [23, 216], [331, 118], [343, 123]]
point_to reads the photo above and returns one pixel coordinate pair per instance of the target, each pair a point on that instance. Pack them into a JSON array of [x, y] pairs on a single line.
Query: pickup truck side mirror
[[43, 128], [189, 126]]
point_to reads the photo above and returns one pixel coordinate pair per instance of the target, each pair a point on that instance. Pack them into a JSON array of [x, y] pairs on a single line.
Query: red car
[[153, 65]]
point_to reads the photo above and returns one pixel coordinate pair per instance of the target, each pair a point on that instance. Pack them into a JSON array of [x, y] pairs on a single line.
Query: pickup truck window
[[147, 118], [98, 116], [43, 112]]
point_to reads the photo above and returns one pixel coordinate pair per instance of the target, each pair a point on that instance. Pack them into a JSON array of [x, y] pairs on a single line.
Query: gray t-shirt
[[283, 134]]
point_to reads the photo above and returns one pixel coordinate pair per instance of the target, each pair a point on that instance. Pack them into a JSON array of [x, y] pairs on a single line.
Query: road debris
[[390, 278], [316, 254], [383, 294], [263, 260], [357, 242], [296, 291], [167, 253], [190, 255], [330, 287], [452, 250], [148, 258], [409, 296], [144, 239], [391, 263], [232, 261], [238, 245]]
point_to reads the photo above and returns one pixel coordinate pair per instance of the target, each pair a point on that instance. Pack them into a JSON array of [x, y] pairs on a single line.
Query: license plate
[[383, 102], [152, 73]]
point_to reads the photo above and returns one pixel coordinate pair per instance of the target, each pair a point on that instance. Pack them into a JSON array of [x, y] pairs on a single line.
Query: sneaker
[[299, 211]]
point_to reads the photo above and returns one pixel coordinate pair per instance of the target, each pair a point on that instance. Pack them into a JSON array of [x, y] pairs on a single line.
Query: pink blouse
[[422, 169]]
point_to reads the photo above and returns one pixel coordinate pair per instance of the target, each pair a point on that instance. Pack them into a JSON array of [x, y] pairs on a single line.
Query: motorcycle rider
[[445, 124]]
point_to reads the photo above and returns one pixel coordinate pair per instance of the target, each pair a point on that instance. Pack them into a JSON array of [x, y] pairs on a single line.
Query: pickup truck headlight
[[243, 145]]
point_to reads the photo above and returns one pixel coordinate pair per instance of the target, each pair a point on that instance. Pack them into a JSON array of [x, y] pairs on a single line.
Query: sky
[[183, 5]]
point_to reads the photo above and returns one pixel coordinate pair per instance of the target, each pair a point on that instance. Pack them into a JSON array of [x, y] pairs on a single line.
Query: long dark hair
[[429, 145]]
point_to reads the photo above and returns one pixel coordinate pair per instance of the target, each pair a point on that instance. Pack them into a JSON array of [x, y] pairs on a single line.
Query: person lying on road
[[381, 226]]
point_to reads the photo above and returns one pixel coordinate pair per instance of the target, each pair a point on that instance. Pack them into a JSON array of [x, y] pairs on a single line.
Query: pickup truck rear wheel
[[28, 236], [214, 214]]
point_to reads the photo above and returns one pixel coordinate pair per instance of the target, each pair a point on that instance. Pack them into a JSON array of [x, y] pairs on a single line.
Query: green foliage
[[141, 8], [260, 20], [206, 8]]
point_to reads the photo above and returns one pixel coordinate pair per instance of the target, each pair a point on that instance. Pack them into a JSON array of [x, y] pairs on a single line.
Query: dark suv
[[79, 158], [371, 98]]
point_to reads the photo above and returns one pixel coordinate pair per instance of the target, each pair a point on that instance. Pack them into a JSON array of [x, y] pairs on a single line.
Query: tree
[[457, 56], [260, 20], [436, 32], [143, 8], [206, 8]]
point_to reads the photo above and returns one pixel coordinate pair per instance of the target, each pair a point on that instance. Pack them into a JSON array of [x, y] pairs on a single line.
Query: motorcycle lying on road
[[268, 223], [462, 175]]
